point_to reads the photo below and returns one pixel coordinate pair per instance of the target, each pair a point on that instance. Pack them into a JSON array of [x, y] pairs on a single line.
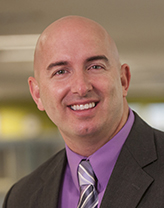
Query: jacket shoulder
[[25, 187], [46, 167]]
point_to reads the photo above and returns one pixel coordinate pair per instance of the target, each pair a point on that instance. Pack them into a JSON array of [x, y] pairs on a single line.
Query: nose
[[81, 84]]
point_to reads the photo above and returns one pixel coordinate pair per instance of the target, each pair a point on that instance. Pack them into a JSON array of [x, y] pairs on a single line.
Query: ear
[[125, 78], [35, 92]]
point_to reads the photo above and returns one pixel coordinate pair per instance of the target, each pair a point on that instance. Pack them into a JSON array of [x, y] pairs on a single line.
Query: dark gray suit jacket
[[137, 179]]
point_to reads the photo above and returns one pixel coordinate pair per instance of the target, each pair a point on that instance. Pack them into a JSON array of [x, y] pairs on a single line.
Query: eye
[[96, 67], [59, 72]]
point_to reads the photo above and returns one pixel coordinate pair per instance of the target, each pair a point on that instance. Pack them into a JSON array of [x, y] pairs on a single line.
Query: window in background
[[152, 113]]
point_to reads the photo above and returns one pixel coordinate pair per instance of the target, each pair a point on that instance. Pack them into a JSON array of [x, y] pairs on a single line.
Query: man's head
[[80, 82]]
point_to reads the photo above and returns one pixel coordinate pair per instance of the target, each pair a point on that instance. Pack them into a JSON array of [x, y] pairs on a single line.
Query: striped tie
[[88, 193]]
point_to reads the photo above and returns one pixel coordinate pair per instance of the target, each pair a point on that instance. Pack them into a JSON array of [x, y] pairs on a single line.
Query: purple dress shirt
[[105, 157]]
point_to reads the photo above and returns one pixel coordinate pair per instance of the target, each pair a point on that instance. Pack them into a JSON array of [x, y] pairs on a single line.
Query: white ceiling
[[136, 26]]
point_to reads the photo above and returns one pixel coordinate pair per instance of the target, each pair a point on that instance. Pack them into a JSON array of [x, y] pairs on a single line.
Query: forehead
[[73, 43]]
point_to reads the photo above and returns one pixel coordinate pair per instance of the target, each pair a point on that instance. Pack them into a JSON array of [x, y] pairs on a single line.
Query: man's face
[[79, 84]]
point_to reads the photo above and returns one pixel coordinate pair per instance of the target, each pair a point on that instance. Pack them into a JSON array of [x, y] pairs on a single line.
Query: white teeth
[[83, 107]]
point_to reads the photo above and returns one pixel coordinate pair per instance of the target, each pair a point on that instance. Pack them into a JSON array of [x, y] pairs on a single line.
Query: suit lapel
[[127, 184], [129, 181], [48, 193]]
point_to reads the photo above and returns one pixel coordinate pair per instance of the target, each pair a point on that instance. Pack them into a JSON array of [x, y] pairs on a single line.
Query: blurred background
[[27, 136]]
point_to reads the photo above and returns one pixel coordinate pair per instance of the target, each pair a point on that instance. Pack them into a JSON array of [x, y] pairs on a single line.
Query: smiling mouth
[[83, 106]]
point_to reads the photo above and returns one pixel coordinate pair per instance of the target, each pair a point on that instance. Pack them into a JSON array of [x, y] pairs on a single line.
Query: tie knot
[[86, 174]]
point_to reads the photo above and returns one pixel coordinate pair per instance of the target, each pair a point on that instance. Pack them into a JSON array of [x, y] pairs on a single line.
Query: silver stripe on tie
[[88, 193]]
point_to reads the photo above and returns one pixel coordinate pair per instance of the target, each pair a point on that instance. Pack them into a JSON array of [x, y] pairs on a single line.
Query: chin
[[87, 132]]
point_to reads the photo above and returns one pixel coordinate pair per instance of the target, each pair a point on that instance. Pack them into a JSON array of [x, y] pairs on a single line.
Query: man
[[80, 83]]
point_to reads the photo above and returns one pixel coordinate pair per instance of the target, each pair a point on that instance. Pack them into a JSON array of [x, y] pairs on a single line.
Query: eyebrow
[[99, 57], [59, 63]]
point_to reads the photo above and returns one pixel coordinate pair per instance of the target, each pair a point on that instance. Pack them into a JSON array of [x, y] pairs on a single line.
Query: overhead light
[[17, 48], [8, 42]]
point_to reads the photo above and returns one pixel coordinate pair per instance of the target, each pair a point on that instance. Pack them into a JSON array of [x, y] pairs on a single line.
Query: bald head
[[71, 29]]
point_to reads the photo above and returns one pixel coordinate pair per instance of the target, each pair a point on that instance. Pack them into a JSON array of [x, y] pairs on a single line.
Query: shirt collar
[[105, 157], [73, 162]]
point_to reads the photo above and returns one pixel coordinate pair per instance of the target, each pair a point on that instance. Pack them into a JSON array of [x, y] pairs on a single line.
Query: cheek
[[52, 94], [112, 90]]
